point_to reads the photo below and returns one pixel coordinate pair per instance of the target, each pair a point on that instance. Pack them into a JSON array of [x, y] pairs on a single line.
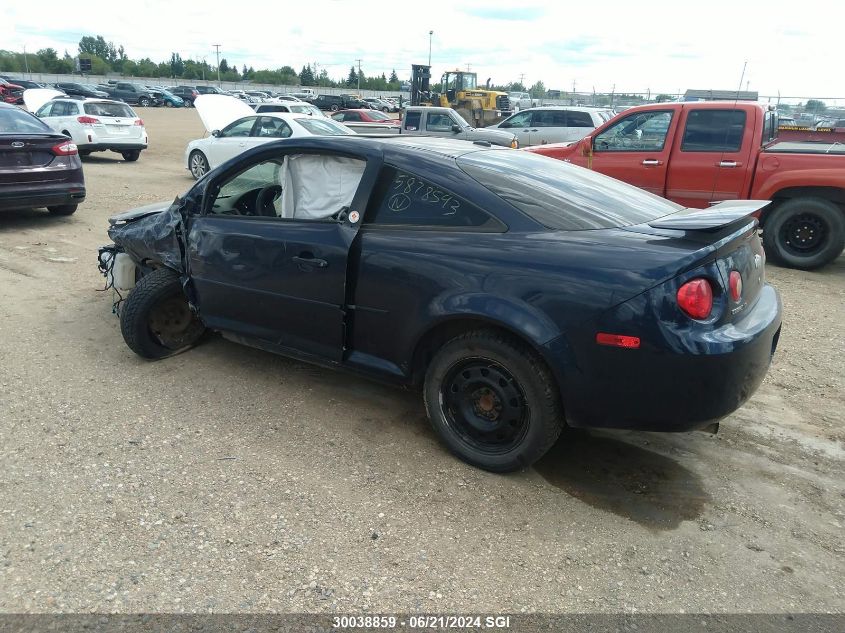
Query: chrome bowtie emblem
[[757, 261], [17, 144]]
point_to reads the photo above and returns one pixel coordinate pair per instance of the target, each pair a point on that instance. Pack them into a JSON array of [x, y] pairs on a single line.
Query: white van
[[554, 124]]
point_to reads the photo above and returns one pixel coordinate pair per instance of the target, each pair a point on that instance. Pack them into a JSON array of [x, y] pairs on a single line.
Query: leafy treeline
[[106, 58]]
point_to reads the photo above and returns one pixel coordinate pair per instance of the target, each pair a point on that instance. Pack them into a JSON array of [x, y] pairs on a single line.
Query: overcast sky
[[662, 46]]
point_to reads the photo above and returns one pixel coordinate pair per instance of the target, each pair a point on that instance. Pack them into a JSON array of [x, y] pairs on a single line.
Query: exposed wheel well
[[833, 194], [434, 339]]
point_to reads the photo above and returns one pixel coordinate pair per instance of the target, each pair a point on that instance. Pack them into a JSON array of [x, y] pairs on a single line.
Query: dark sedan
[[521, 294], [38, 167], [81, 90]]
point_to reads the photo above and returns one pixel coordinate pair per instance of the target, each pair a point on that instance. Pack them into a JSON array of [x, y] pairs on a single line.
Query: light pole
[[430, 33], [26, 62], [359, 75], [217, 47]]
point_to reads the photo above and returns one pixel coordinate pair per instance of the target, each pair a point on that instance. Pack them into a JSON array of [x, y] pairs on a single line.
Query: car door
[[232, 140], [710, 161], [439, 124], [268, 252], [520, 125], [635, 149]]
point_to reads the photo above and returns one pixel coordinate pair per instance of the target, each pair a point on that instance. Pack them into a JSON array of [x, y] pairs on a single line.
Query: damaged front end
[[144, 239]]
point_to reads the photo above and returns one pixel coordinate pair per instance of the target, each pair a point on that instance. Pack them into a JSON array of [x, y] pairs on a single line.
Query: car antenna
[[727, 132]]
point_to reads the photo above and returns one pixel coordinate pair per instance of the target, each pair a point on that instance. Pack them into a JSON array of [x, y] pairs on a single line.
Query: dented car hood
[[218, 111], [151, 233]]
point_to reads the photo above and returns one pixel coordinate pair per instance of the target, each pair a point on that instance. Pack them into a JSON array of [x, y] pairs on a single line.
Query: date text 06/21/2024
[[422, 622]]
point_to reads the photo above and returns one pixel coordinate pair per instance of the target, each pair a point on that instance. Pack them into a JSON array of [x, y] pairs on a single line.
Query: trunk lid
[[28, 158]]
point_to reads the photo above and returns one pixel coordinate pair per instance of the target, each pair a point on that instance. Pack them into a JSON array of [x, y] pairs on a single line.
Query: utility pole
[[26, 62], [359, 75], [217, 47], [522, 80], [430, 33], [468, 65]]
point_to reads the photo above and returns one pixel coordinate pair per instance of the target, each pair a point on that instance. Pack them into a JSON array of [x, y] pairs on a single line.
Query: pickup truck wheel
[[63, 209], [144, 102], [492, 401], [804, 233], [334, 107], [156, 320], [198, 164]]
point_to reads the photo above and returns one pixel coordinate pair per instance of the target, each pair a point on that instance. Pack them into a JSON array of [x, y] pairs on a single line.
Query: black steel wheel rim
[[804, 233], [484, 405]]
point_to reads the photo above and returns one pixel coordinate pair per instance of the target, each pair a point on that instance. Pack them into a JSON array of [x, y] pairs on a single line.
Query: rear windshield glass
[[15, 121], [324, 127], [108, 109], [562, 196]]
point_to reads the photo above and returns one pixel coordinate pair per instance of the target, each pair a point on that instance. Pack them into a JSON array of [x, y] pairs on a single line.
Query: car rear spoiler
[[711, 219]]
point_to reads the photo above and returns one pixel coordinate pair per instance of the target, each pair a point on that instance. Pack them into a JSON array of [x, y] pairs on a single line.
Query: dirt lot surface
[[228, 479]]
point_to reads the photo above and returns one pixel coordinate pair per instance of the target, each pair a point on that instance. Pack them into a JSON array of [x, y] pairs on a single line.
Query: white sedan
[[235, 127]]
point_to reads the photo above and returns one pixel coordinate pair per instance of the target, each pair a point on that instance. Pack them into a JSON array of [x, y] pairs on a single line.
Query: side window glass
[[438, 122], [523, 119], [402, 199], [59, 109], [45, 110], [713, 131], [72, 109], [295, 186], [352, 116], [579, 119], [241, 127], [549, 118], [412, 120], [644, 131], [272, 127]]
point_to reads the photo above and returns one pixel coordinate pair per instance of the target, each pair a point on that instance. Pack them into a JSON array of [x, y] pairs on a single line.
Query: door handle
[[652, 161], [729, 163], [310, 261]]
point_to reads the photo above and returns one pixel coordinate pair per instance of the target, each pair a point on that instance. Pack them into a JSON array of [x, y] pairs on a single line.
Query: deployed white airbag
[[315, 187]]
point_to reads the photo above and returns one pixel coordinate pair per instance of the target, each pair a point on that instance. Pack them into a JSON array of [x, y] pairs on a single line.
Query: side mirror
[[456, 128], [215, 132], [587, 146]]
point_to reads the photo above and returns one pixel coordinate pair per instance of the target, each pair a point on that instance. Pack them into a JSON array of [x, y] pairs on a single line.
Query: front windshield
[[469, 82], [324, 127]]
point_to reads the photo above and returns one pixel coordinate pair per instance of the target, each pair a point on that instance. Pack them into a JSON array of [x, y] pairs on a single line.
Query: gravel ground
[[227, 479]]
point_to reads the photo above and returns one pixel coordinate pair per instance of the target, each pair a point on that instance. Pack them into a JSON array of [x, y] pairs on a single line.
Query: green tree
[[815, 106], [224, 66], [538, 89], [306, 76], [393, 78], [352, 80], [177, 66]]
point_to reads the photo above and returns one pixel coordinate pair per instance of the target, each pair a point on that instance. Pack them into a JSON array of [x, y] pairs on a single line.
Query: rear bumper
[[41, 196], [673, 387], [115, 147]]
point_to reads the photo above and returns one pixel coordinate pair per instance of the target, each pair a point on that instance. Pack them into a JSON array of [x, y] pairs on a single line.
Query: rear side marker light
[[735, 284], [695, 298], [618, 340], [65, 149]]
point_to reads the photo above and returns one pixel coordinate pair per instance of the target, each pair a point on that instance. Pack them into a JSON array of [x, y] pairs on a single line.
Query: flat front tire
[[492, 401], [804, 233], [156, 320]]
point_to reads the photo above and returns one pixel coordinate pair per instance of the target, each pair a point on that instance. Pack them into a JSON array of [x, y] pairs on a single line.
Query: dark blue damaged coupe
[[521, 294]]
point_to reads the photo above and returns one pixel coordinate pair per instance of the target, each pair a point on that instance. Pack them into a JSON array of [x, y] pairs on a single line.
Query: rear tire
[[156, 320], [804, 233], [130, 156], [63, 209], [493, 401]]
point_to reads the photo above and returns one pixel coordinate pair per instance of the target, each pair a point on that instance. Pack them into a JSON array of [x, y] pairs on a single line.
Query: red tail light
[[618, 340], [139, 122], [695, 298], [87, 120], [67, 148], [736, 286]]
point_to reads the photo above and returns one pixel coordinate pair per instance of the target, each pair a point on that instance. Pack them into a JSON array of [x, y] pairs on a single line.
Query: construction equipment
[[480, 107]]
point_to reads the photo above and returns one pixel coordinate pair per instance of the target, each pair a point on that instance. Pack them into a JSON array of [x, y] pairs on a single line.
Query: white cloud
[[653, 45]]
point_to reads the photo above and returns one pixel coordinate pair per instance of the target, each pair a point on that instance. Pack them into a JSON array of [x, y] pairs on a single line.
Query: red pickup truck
[[698, 154]]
